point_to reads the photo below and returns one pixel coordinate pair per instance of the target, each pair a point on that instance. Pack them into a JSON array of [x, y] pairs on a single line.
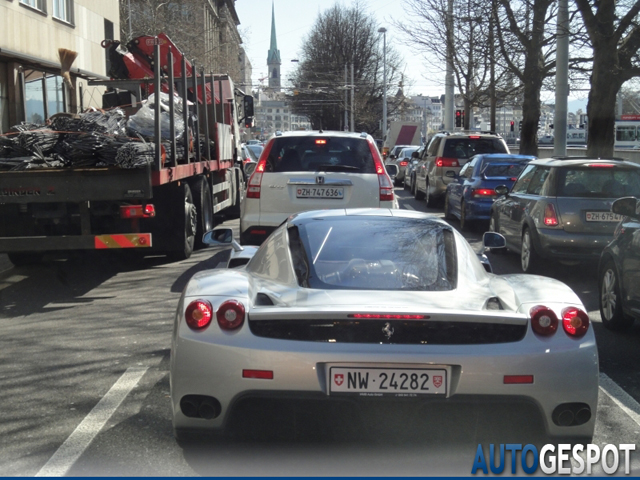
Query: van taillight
[[447, 162], [253, 187], [550, 217], [386, 187]]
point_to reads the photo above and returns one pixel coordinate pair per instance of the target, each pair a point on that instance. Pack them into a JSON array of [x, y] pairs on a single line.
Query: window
[[63, 10], [599, 182], [37, 4], [525, 179], [625, 133], [537, 181], [37, 89]]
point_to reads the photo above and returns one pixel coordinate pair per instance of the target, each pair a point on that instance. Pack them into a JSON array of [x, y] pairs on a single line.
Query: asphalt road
[[84, 386]]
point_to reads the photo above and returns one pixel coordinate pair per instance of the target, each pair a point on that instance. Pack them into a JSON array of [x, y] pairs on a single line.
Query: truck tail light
[[137, 211], [386, 187], [550, 217], [447, 162], [198, 314], [575, 321], [543, 320]]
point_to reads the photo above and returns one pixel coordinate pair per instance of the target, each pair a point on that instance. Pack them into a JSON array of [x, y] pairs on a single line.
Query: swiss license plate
[[320, 192], [372, 381], [603, 217]]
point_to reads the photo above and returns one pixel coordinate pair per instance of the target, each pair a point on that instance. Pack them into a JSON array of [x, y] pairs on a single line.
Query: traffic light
[[458, 118], [462, 119], [248, 122], [520, 126], [512, 125]]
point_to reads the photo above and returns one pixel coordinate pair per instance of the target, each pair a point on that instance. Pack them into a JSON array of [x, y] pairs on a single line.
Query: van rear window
[[468, 147], [316, 153]]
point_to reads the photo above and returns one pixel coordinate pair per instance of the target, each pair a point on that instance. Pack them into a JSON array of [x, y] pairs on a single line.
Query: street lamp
[[383, 31]]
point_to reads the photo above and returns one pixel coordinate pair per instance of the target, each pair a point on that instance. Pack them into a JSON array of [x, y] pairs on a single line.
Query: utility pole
[[562, 82], [448, 93], [346, 101], [492, 61], [384, 81], [353, 93]]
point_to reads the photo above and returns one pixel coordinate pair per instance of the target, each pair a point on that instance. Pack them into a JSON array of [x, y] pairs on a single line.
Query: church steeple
[[273, 57]]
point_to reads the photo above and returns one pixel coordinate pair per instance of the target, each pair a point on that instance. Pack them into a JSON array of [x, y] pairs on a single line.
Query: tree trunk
[[530, 109], [605, 84]]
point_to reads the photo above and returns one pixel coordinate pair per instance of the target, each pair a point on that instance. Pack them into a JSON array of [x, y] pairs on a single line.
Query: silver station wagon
[[560, 208]]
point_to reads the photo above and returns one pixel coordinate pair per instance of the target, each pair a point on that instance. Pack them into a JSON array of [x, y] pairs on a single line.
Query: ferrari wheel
[[530, 261], [611, 312]]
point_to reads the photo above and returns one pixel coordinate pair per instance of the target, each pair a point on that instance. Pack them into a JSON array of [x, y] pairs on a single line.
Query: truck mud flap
[[75, 242]]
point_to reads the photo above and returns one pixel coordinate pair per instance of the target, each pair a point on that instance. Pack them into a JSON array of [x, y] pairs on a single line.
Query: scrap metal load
[[93, 139]]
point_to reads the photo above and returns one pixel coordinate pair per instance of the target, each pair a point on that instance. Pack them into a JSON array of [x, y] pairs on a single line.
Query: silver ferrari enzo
[[378, 303]]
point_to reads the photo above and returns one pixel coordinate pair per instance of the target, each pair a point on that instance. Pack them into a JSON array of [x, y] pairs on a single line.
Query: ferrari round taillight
[[230, 315], [198, 314], [543, 320], [575, 321]]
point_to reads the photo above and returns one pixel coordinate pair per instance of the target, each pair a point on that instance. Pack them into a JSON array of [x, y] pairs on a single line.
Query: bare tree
[[526, 35], [343, 36], [614, 32]]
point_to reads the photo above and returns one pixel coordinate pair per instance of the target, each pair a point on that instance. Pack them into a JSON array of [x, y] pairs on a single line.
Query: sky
[[294, 19]]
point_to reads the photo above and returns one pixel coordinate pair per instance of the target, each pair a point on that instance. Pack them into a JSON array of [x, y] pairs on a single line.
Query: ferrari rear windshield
[[315, 153], [374, 253]]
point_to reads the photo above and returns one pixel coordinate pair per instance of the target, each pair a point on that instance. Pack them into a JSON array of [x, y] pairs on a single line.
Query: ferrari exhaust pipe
[[565, 418], [189, 407], [571, 414], [209, 408]]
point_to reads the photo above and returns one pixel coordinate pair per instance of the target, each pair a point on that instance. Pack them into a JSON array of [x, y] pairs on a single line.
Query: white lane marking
[[69, 452], [408, 207], [12, 280], [621, 398]]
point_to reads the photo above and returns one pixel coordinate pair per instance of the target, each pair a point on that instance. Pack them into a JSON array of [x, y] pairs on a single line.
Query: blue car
[[470, 196]]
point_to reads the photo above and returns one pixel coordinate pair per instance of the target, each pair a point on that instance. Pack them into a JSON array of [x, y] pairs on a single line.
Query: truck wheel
[[204, 207], [187, 216], [20, 259]]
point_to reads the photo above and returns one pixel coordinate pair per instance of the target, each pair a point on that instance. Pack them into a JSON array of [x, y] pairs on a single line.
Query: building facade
[[31, 32]]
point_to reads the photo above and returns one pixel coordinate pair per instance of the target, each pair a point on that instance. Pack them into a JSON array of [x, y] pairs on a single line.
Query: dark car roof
[[580, 161]]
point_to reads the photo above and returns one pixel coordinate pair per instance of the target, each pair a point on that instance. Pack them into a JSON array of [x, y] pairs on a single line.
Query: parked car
[[560, 208], [303, 170], [402, 160], [450, 151], [409, 170], [619, 268], [248, 154], [470, 196], [378, 305]]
